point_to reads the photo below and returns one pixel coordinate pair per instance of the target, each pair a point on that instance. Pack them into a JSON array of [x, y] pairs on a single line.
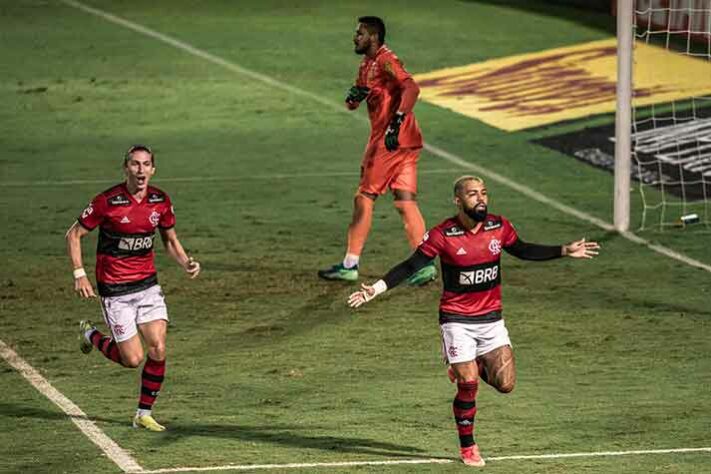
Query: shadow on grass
[[281, 435], [288, 436], [12, 410]]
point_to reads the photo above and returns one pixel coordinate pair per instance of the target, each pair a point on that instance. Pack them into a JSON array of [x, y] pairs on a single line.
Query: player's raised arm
[[399, 273], [82, 285]]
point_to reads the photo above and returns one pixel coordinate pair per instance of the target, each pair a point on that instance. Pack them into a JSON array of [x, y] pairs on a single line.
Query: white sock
[[351, 260], [142, 412]]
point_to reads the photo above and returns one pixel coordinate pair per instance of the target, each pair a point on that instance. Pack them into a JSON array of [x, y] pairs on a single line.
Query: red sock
[[464, 407], [106, 346], [151, 381]]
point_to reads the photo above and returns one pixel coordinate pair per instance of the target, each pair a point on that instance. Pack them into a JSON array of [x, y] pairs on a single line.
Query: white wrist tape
[[380, 287], [78, 273]]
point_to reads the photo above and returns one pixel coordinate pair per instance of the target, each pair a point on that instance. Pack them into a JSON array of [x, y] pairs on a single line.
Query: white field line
[[247, 467], [198, 179], [452, 158], [112, 450]]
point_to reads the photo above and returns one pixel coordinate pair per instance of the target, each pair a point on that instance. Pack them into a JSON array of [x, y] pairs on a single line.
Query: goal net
[[671, 140]]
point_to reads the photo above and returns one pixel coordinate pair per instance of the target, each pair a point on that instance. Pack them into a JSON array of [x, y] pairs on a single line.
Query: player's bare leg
[[464, 408], [358, 231], [406, 205], [500, 368], [154, 335]]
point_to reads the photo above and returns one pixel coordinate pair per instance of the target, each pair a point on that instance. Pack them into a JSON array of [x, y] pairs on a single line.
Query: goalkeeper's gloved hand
[[393, 131], [366, 293], [357, 94]]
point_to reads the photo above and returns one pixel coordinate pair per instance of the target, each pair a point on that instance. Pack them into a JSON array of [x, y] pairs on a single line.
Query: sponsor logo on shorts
[[119, 330], [453, 351], [136, 243], [495, 247], [477, 277]]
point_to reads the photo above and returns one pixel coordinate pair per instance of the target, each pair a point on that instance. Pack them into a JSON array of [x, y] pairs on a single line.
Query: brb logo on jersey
[[477, 277], [136, 243], [495, 247]]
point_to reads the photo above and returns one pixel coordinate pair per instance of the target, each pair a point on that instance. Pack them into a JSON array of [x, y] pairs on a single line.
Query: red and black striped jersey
[[471, 271], [124, 252]]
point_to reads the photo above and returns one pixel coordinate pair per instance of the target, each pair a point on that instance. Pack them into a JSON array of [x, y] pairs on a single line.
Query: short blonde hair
[[459, 182]]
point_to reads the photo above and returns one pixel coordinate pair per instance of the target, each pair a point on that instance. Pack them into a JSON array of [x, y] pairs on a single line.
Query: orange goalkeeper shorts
[[382, 170]]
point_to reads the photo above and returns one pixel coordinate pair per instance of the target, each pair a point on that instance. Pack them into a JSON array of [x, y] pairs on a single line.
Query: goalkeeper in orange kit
[[390, 159]]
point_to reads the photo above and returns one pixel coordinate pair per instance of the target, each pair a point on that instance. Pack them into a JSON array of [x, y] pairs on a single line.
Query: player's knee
[[157, 352], [506, 386], [132, 360], [403, 198]]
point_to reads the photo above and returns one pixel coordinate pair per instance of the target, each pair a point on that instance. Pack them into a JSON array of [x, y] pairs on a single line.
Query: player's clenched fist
[[357, 94], [192, 267], [391, 134]]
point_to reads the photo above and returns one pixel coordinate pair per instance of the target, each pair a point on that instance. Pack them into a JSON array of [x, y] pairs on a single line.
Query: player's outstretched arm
[[399, 273], [581, 249], [176, 250], [82, 285]]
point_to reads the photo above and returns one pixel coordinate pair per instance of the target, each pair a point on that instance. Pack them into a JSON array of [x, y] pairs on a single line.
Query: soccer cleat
[[84, 326], [339, 272], [471, 457], [423, 276], [147, 422]]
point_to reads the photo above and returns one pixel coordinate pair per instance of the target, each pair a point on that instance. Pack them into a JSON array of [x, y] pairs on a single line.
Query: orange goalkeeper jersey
[[388, 82]]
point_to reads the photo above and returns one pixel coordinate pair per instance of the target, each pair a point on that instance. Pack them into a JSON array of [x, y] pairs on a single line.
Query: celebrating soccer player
[[475, 341], [390, 160], [131, 300]]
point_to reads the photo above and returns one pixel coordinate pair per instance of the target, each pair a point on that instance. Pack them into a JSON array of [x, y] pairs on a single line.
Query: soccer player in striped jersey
[[475, 341], [132, 302], [390, 159]]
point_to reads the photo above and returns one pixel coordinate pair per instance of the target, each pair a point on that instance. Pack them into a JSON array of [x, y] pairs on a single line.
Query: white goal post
[[663, 117]]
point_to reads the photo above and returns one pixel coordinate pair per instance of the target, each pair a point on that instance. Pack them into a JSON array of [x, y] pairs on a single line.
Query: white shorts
[[463, 342], [124, 313]]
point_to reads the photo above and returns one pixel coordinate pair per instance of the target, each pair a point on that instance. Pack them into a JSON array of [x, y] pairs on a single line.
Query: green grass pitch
[[266, 364]]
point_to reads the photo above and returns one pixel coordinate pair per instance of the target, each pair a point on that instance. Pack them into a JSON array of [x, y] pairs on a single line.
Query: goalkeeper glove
[[393, 131], [366, 293], [356, 94]]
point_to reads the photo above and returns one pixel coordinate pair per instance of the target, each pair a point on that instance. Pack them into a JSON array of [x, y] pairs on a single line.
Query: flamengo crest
[[154, 218], [495, 247]]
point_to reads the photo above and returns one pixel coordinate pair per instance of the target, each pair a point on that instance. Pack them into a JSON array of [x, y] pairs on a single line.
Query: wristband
[[380, 287], [78, 273]]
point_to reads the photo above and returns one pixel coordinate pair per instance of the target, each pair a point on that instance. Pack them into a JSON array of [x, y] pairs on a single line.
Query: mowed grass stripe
[[452, 158]]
